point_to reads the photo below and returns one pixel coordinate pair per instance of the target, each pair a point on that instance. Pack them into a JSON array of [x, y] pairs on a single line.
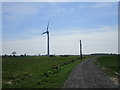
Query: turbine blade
[[47, 26], [44, 33]]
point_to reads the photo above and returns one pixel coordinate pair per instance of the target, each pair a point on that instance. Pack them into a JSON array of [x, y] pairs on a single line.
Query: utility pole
[[80, 49]]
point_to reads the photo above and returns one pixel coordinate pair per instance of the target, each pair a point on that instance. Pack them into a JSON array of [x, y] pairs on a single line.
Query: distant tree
[[25, 54], [5, 55], [21, 55], [13, 53]]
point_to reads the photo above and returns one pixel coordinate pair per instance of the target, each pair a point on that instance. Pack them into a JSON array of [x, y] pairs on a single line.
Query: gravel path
[[86, 75]]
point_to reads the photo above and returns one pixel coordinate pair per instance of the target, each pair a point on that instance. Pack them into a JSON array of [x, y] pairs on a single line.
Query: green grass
[[28, 72], [109, 65]]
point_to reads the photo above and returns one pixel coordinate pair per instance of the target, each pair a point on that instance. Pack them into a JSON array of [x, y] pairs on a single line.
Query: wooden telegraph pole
[[80, 50]]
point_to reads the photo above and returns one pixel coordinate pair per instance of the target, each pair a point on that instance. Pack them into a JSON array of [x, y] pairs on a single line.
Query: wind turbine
[[47, 38]]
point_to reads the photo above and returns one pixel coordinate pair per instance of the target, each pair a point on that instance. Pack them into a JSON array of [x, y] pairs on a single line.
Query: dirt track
[[86, 75]]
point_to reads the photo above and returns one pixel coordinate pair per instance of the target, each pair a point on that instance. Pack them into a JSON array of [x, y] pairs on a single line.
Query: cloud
[[104, 41], [17, 12], [55, 10], [21, 46], [85, 30], [19, 9], [101, 5]]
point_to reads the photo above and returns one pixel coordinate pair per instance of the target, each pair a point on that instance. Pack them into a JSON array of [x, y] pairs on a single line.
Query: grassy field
[[109, 64], [37, 71]]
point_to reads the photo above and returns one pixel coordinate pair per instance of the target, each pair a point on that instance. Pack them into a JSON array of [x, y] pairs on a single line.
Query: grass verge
[[109, 64], [36, 72]]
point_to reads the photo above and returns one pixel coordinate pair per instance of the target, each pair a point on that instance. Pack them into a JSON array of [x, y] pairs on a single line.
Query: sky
[[95, 23], [60, 0]]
